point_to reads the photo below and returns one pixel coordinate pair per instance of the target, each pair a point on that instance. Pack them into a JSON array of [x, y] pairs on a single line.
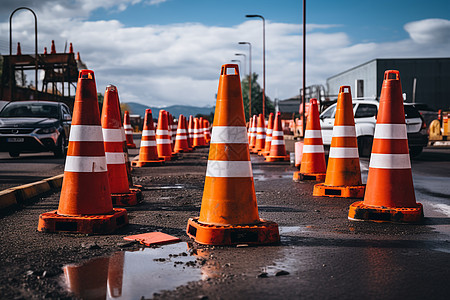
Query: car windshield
[[30, 110]]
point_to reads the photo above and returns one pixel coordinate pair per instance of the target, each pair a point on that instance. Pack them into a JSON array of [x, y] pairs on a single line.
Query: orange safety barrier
[[343, 178], [229, 212], [85, 204], [128, 130], [163, 137], [268, 141], [148, 152], [277, 147], [313, 166], [113, 137], [389, 193]]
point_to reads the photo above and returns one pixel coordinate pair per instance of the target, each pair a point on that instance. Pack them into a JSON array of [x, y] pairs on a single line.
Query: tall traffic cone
[[113, 137], [206, 131], [128, 130], [260, 134], [181, 143], [343, 178], [253, 133], [163, 139], [148, 152], [390, 191], [172, 129], [188, 133], [268, 141], [85, 204], [19, 49], [199, 137], [313, 165], [53, 48], [191, 131], [229, 212], [277, 147]]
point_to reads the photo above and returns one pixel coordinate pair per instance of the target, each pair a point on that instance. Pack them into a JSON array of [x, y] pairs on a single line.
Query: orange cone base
[[254, 151], [322, 190], [264, 153], [128, 199], [87, 224], [131, 146], [150, 163], [313, 177], [265, 232], [361, 212], [277, 158]]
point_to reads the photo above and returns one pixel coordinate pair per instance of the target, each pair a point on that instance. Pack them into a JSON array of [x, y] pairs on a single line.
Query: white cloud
[[180, 63]]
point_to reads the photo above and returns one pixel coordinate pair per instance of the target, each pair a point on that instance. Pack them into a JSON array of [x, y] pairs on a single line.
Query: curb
[[21, 194]]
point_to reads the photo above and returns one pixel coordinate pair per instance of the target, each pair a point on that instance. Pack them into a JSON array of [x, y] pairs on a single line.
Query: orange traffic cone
[[128, 130], [163, 139], [313, 165], [206, 131], [53, 48], [148, 153], [268, 141], [199, 137], [253, 133], [85, 204], [343, 177], [260, 135], [277, 147], [390, 191], [229, 212], [181, 143], [191, 131], [19, 49], [188, 133], [172, 129], [115, 274], [114, 137]]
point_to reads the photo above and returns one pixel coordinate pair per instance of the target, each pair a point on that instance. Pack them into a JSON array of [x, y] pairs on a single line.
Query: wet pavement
[[322, 255]]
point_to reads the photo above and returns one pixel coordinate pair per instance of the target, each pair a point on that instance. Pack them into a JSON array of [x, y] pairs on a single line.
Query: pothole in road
[[134, 274]]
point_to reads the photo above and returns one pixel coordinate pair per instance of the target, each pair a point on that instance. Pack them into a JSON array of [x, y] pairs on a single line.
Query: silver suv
[[365, 112]]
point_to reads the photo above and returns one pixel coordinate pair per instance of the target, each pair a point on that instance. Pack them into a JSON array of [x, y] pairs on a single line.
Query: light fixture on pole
[[264, 60], [237, 61], [249, 77]]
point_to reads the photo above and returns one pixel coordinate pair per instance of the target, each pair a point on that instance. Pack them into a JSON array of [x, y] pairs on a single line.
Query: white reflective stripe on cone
[[313, 134], [148, 143], [219, 168], [148, 133], [390, 131], [91, 164], [268, 138], [277, 142], [180, 131], [127, 126], [128, 131], [163, 141], [260, 129], [198, 135], [261, 136], [115, 158], [198, 130], [312, 148], [229, 135], [112, 135], [342, 152], [277, 133], [344, 131], [389, 161], [124, 138], [162, 132], [86, 133], [269, 131], [181, 137]]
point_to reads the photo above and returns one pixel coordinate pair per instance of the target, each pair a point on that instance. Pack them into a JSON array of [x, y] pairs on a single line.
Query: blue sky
[[164, 52]]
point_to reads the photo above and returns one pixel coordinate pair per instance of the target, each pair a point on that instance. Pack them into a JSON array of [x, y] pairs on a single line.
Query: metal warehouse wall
[[432, 74]]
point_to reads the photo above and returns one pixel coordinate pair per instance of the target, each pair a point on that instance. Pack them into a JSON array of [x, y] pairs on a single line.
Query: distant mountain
[[175, 110]]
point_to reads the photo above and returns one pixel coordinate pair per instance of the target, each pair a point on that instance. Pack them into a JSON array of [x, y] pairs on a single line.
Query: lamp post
[[304, 71], [249, 77], [264, 60], [245, 60]]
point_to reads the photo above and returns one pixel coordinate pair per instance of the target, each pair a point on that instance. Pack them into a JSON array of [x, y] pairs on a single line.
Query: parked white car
[[365, 112]]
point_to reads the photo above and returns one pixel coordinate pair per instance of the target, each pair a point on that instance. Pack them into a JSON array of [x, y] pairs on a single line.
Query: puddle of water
[[169, 187], [133, 274], [292, 229]]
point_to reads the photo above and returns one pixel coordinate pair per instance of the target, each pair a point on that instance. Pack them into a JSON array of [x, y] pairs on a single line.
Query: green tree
[[257, 96]]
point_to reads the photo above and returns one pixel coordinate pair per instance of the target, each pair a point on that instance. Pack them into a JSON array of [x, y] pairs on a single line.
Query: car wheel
[[60, 150], [415, 151], [14, 154], [365, 145]]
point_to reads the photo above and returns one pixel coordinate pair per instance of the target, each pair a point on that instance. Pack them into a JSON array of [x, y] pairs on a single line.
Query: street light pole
[[304, 70], [249, 77], [238, 61], [264, 60], [245, 60]]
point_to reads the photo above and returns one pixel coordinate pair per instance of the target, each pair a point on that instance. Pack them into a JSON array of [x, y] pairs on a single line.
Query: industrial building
[[424, 80]]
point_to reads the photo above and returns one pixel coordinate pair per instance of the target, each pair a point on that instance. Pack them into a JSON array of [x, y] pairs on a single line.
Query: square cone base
[[322, 190], [86, 224], [277, 158], [361, 212], [262, 233], [263, 153], [128, 199], [150, 163], [311, 177]]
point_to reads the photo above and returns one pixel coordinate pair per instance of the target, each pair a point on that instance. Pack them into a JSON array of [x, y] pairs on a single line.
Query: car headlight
[[46, 130]]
